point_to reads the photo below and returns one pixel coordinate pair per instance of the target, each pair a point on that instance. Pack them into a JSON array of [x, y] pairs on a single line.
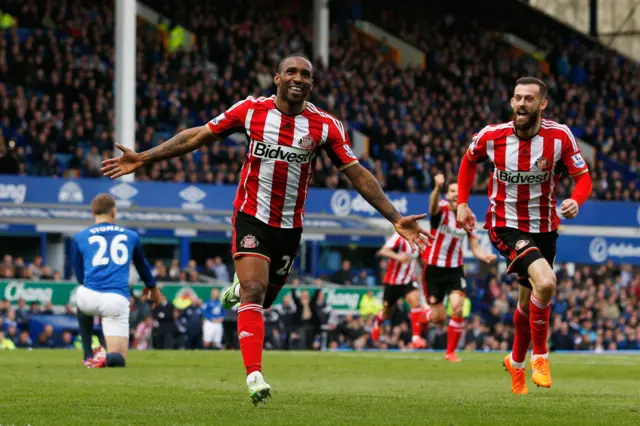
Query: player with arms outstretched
[[443, 271], [529, 155], [101, 257], [400, 282], [285, 133]]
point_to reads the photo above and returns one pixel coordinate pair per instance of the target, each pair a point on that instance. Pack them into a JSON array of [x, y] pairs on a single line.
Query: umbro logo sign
[[244, 334]]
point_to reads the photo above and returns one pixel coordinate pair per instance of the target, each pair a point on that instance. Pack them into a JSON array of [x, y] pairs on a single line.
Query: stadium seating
[[58, 112]]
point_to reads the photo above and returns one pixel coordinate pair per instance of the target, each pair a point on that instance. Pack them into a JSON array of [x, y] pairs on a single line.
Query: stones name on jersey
[[106, 228]]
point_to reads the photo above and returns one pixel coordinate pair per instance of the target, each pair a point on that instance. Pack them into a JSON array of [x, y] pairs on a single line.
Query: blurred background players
[[101, 258], [444, 270], [213, 317], [529, 155], [400, 283]]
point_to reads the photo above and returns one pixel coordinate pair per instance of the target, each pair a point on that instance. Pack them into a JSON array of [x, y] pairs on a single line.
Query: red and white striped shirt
[[446, 251], [526, 172], [278, 166], [398, 272]]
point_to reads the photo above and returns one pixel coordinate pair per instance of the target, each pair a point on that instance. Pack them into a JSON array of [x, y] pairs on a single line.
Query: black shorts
[[442, 281], [393, 293], [278, 246], [521, 249]]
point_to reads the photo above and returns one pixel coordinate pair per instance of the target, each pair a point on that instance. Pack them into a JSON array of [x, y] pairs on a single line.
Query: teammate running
[[101, 256], [443, 271], [400, 282], [529, 155], [285, 133]]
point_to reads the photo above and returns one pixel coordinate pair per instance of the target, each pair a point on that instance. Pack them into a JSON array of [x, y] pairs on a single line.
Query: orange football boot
[[518, 377], [541, 375], [452, 357]]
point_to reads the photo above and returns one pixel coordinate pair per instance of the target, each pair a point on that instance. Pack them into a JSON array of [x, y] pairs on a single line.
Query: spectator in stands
[[369, 305], [24, 341], [67, 340], [5, 342], [343, 276], [164, 327], [46, 339]]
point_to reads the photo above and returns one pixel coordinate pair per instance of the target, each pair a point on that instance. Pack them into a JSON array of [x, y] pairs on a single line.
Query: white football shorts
[[112, 308]]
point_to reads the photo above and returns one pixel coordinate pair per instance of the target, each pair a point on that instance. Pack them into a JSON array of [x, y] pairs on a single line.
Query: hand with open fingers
[[465, 217], [569, 208], [127, 163], [409, 229]]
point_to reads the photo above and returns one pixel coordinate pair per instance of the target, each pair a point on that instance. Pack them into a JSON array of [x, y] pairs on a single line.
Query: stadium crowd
[[594, 309], [57, 102]]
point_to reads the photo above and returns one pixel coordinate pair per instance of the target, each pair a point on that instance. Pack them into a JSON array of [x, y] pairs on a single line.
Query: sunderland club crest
[[542, 163], [249, 242], [306, 142]]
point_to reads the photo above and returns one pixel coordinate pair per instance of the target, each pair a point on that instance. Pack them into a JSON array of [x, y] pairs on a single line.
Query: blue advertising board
[[28, 190], [582, 249]]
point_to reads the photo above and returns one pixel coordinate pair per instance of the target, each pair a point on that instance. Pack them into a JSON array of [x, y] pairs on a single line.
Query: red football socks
[[539, 313], [522, 335], [416, 318], [251, 335], [427, 314], [379, 319], [454, 331]]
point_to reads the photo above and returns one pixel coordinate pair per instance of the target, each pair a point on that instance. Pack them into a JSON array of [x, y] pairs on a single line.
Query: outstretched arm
[[367, 185], [186, 141]]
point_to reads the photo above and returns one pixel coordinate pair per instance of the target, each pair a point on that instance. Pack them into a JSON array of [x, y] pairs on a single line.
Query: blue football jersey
[[102, 255], [213, 310]]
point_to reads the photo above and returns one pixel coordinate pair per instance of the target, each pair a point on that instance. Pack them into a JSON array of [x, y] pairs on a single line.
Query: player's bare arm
[[466, 175], [387, 252], [434, 198], [479, 253], [186, 141], [407, 226]]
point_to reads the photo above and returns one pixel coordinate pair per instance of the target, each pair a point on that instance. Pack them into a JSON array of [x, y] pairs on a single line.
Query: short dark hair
[[537, 82], [102, 204], [451, 181], [292, 55]]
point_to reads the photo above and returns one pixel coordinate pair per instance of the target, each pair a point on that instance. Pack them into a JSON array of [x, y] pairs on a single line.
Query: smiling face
[[527, 104], [294, 80]]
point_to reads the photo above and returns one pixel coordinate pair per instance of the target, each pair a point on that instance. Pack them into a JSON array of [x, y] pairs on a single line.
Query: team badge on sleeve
[[578, 161], [249, 242], [218, 119], [349, 151]]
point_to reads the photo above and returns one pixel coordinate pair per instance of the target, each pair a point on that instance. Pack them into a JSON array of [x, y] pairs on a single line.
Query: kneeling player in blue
[[101, 257]]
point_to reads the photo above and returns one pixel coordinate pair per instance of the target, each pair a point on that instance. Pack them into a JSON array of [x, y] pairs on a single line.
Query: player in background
[[400, 282], [285, 134], [444, 266], [101, 257], [529, 155], [213, 317]]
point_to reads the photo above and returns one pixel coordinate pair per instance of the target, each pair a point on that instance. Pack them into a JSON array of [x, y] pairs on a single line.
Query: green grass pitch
[[402, 388]]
